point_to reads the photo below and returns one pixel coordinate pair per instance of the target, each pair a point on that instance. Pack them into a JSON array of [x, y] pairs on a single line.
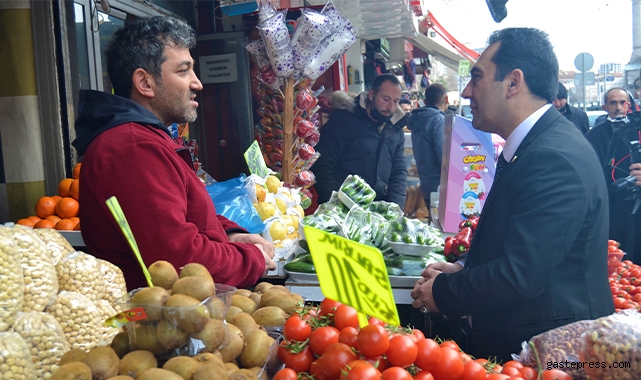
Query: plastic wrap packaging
[[326, 221], [15, 358], [39, 273], [276, 38], [57, 246], [106, 311], [365, 227], [266, 10], [355, 190], [328, 52], [79, 319], [115, 285], [556, 346], [409, 265], [336, 20], [413, 231], [11, 278], [45, 339], [80, 272], [614, 342], [388, 210], [312, 28]]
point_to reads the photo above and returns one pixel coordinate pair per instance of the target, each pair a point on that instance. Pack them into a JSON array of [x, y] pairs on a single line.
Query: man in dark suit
[[575, 115], [538, 257]]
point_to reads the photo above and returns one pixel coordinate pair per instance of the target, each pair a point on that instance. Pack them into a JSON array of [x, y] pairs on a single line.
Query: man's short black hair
[[404, 101], [435, 94], [529, 50], [379, 80]]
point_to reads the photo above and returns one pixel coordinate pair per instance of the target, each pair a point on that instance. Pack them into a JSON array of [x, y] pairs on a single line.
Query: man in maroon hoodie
[[127, 152]]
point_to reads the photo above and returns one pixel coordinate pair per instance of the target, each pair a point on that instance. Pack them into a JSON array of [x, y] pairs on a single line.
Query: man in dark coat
[[539, 253], [364, 136], [427, 138], [575, 115], [611, 142]]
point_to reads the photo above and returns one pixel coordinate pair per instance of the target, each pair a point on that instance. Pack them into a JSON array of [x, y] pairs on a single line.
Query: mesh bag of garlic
[[57, 246], [40, 278], [15, 359], [115, 285], [45, 339], [11, 279], [80, 272], [79, 319]]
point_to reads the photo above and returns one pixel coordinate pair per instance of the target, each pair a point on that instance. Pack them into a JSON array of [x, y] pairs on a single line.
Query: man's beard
[[379, 116]]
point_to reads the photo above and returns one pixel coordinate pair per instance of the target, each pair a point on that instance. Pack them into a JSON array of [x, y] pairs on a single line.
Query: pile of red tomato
[[625, 279], [326, 343]]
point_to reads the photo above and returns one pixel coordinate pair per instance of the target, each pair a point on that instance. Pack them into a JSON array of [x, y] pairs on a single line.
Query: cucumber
[[394, 271], [300, 267]]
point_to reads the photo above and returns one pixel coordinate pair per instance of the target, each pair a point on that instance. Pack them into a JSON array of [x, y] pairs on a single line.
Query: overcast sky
[[602, 28]]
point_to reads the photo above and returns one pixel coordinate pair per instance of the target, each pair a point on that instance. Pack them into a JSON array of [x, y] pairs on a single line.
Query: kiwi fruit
[[186, 312], [163, 274], [242, 374], [195, 270], [136, 362], [245, 304], [213, 335], [245, 323], [159, 373], [72, 371], [231, 351], [103, 361], [256, 298], [152, 300], [209, 372], [287, 302], [270, 316], [182, 365], [262, 287], [256, 350], [231, 368], [209, 358], [231, 313], [73, 355], [170, 335], [144, 336], [243, 292], [120, 343], [217, 308], [199, 288], [121, 377], [271, 293]]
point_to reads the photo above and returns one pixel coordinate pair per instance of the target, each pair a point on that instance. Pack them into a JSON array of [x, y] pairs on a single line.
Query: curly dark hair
[[141, 44], [529, 50]]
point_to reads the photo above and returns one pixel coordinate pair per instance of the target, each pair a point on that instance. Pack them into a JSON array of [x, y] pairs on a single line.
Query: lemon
[[265, 210], [273, 184], [277, 231], [299, 210], [282, 206], [261, 193]]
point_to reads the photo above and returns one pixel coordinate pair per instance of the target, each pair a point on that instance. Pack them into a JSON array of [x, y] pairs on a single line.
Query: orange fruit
[[56, 198], [77, 227], [63, 187], [65, 224], [26, 222], [53, 218], [76, 171], [74, 189], [75, 219], [44, 223], [67, 208], [46, 206], [34, 219]]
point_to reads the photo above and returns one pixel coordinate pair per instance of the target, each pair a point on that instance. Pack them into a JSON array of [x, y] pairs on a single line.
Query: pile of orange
[[58, 211]]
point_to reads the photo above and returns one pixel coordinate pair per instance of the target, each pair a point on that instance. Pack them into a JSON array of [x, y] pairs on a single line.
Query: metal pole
[[584, 87]]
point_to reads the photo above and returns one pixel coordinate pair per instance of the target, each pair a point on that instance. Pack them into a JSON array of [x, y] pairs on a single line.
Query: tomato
[[513, 363], [528, 373], [348, 367], [619, 302], [428, 354], [613, 242], [450, 367], [418, 334], [465, 357], [635, 272], [301, 361], [373, 340], [510, 371], [286, 374], [637, 297], [396, 373], [328, 306], [334, 359], [364, 371], [554, 374], [345, 316], [497, 376], [282, 348], [296, 328], [375, 321], [380, 363], [348, 336], [423, 375], [451, 344], [323, 337], [402, 351], [473, 370]]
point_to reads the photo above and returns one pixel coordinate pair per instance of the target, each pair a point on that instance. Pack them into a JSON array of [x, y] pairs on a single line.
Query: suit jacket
[[538, 259]]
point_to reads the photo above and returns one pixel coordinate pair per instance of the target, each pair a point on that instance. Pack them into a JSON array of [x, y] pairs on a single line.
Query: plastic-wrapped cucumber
[[357, 190], [410, 265], [388, 210], [413, 231], [365, 227], [323, 221]]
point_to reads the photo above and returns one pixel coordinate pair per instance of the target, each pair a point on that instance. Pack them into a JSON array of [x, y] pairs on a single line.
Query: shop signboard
[[219, 68]]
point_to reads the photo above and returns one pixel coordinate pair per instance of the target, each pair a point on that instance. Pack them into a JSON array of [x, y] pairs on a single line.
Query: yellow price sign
[[352, 273], [119, 215], [255, 160]]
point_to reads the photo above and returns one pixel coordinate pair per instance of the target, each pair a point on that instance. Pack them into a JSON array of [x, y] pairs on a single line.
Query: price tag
[[256, 161], [352, 273], [115, 209]]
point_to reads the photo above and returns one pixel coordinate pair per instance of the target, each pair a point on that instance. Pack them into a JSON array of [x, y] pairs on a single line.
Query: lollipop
[[305, 198], [306, 151], [305, 100], [304, 128], [305, 179], [313, 138]]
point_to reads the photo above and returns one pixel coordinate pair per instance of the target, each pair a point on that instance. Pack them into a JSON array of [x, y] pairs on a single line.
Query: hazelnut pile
[[115, 285], [79, 272], [11, 279], [79, 319], [56, 244], [15, 360]]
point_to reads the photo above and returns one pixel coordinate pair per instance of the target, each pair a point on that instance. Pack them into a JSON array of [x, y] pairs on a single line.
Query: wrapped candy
[[276, 38], [305, 100], [304, 128], [304, 179], [306, 152], [259, 53], [266, 10], [313, 138], [336, 20], [329, 51], [312, 28]]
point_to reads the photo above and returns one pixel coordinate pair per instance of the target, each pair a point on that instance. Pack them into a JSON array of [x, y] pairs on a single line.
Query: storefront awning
[[374, 19], [449, 58]]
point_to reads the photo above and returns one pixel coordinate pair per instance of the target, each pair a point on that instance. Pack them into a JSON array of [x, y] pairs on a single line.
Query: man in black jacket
[[364, 136], [575, 115], [427, 138]]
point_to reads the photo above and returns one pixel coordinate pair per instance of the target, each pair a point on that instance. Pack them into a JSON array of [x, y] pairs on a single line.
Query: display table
[[74, 238], [312, 291]]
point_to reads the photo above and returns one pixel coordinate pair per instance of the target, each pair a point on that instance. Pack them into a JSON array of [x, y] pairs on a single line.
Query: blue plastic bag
[[232, 201]]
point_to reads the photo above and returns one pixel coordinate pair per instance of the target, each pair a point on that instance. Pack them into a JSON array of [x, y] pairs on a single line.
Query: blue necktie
[[500, 165]]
